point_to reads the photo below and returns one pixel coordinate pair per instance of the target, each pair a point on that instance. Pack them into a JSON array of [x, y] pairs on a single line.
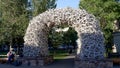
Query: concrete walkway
[[67, 62]]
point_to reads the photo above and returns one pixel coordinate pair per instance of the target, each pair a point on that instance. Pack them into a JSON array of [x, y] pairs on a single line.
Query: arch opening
[[62, 40]]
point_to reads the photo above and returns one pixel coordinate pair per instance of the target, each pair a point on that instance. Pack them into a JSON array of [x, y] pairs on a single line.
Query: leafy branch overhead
[[106, 11], [14, 18]]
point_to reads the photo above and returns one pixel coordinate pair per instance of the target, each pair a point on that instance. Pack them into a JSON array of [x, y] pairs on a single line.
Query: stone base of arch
[[104, 63], [36, 61]]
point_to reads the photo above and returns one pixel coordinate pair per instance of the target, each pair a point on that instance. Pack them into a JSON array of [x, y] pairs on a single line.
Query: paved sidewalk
[[68, 62]]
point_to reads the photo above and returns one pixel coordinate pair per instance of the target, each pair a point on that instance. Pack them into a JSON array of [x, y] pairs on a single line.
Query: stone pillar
[[93, 64], [36, 40], [91, 46], [90, 51]]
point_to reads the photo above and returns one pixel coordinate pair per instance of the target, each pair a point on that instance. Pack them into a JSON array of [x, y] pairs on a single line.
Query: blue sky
[[68, 3]]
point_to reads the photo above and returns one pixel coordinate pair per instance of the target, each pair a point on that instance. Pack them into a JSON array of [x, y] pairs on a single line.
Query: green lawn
[[59, 54]]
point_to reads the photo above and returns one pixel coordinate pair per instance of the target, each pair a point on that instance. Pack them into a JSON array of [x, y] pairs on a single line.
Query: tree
[[40, 6], [14, 20], [70, 37], [55, 38], [43, 5], [106, 12], [62, 37], [14, 17]]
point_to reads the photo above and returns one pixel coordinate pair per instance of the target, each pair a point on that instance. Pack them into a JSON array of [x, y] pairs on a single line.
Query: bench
[[3, 60], [116, 60], [113, 55]]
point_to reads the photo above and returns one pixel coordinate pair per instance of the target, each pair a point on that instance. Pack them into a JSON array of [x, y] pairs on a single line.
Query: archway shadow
[[61, 63]]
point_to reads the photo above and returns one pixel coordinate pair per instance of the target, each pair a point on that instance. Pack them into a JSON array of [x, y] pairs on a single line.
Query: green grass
[[59, 54]]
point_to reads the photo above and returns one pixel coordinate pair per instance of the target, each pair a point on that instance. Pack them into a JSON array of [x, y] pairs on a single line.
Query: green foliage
[[14, 20], [70, 36], [106, 11], [43, 5], [55, 38], [59, 38]]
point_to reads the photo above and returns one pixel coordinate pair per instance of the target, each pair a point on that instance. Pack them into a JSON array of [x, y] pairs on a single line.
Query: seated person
[[11, 56]]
